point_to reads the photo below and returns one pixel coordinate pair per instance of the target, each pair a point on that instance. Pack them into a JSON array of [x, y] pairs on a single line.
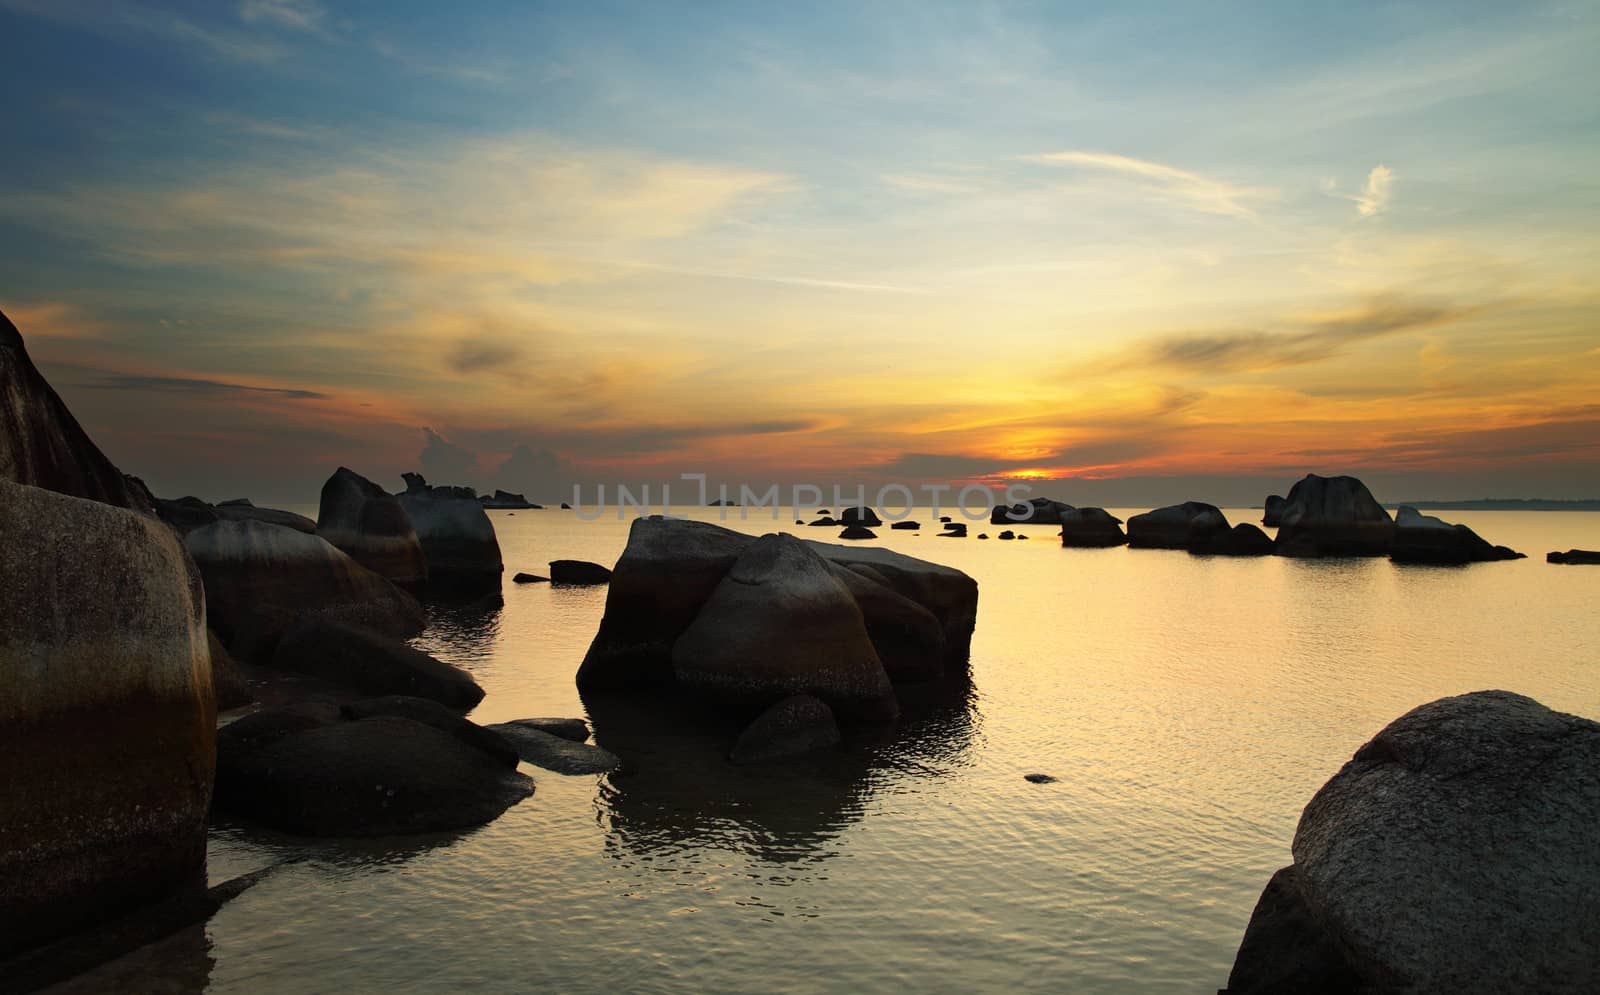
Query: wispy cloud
[[1203, 193], [191, 385], [1375, 194], [295, 15], [121, 19]]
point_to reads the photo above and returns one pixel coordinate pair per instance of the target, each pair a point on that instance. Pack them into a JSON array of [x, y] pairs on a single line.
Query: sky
[[1129, 253]]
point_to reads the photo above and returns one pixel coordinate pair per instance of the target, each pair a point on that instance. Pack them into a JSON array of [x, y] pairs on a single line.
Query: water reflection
[[334, 857], [464, 632], [179, 964], [678, 792]]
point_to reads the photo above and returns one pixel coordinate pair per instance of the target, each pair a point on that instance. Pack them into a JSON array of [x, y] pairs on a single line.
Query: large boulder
[[1420, 538], [369, 524], [232, 689], [780, 623], [107, 713], [1036, 511], [1091, 528], [441, 717], [184, 514], [235, 511], [457, 537], [908, 638], [948, 594], [794, 726], [42, 445], [1333, 516], [1177, 526], [365, 661], [260, 579], [861, 515], [309, 770], [1458, 851], [1243, 539], [1272, 513]]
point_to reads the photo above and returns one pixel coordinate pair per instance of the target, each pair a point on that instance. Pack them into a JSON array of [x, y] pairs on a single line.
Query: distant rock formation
[[824, 522], [1333, 516], [1574, 557], [247, 512], [457, 537], [1420, 538], [860, 516], [369, 524], [1454, 853], [506, 499], [1177, 526], [1036, 511], [1091, 528], [906, 526], [954, 530], [107, 710], [857, 532], [42, 445]]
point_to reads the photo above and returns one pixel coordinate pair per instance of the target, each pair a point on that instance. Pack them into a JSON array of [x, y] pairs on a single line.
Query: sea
[[1188, 707]]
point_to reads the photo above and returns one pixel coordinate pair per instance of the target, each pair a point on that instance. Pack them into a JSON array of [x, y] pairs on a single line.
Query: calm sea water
[[1189, 707]]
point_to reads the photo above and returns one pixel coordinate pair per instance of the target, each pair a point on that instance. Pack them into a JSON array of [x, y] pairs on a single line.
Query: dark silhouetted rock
[[522, 578], [1177, 526], [950, 595], [260, 579], [824, 522], [184, 514], [1420, 538], [41, 443], [369, 524], [1574, 557], [233, 691], [1007, 534], [431, 713], [506, 499], [780, 623], [1036, 511], [545, 749], [955, 530], [908, 638], [1039, 778], [373, 664], [1333, 516], [107, 712], [1285, 950], [309, 771], [1456, 852], [944, 519], [577, 730], [906, 526], [565, 506], [1243, 539], [272, 516], [860, 516], [458, 540], [792, 727], [1091, 528], [1022, 535], [858, 532], [1272, 514], [983, 535], [578, 572]]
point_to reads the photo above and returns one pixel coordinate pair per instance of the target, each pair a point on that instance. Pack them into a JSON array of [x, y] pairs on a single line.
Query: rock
[[1284, 950], [372, 664], [794, 726], [576, 730], [1420, 538], [107, 711], [950, 595], [780, 623], [578, 572], [1091, 528], [522, 578], [565, 506], [860, 515], [1243, 539], [1177, 526], [42, 445], [1039, 778], [956, 530], [824, 522], [858, 532], [506, 499], [944, 519], [260, 579], [1272, 514], [1333, 516], [556, 753], [272, 516], [368, 523], [983, 535], [184, 514], [458, 540], [431, 713], [1037, 511], [1022, 535], [824, 513], [1574, 557], [799, 521], [668, 570], [309, 771], [232, 690], [1007, 534], [906, 526], [236, 503], [907, 637], [1456, 852]]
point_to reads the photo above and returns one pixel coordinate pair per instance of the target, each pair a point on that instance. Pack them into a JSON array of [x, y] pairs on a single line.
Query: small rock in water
[[578, 573], [1039, 778], [529, 579], [857, 532]]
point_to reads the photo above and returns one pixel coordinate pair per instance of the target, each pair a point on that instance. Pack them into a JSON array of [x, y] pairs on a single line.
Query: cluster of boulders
[[1458, 851], [749, 623]]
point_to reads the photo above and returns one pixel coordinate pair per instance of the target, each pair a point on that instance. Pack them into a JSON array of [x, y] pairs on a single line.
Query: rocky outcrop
[[908, 639], [945, 592], [369, 663], [854, 532], [1177, 526], [1456, 852], [561, 754], [1036, 511], [780, 623], [792, 727], [107, 712], [580, 573], [42, 445], [1243, 539], [823, 522], [1333, 516], [860, 515], [441, 717], [1272, 514], [247, 512], [1574, 557], [506, 499], [1091, 528], [184, 514], [260, 579], [1420, 538], [369, 524], [458, 540], [309, 770]]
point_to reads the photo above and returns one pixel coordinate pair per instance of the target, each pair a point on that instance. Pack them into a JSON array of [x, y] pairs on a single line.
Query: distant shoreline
[[1503, 504]]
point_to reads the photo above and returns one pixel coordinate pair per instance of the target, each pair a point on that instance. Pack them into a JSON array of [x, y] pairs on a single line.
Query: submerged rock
[[1574, 557], [578, 572], [1454, 853], [1333, 516], [1420, 538], [1039, 778], [1177, 526], [370, 663], [792, 727], [542, 748], [369, 524], [107, 710], [1091, 528], [576, 730]]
